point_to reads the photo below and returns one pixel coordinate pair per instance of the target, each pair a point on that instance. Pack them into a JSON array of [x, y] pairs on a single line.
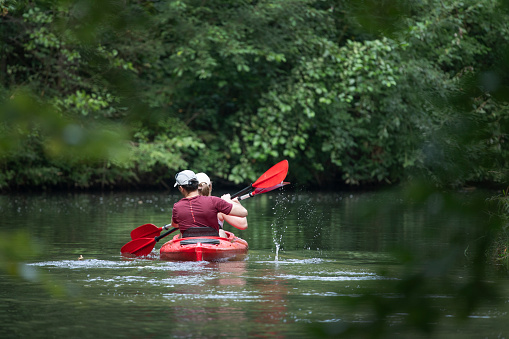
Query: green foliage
[[16, 248], [405, 304], [343, 107], [163, 148], [130, 93], [471, 127], [111, 93], [499, 249], [462, 33]]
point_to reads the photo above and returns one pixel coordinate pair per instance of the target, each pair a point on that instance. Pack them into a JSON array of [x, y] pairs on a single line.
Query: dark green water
[[309, 253]]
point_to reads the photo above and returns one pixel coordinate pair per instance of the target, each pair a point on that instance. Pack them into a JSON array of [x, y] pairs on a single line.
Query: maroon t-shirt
[[199, 211]]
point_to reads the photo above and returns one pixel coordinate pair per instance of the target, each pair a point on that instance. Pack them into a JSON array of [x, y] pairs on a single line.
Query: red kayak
[[205, 248]]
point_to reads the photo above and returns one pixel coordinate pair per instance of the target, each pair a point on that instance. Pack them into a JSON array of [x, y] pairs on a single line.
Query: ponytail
[[204, 190]]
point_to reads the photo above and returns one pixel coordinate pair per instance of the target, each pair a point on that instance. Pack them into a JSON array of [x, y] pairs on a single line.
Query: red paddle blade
[[268, 189], [139, 247], [146, 231], [275, 175]]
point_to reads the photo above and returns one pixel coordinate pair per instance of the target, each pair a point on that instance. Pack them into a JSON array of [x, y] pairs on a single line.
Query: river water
[[311, 255]]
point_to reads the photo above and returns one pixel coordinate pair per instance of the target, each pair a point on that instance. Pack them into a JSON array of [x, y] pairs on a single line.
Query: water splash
[[278, 226]]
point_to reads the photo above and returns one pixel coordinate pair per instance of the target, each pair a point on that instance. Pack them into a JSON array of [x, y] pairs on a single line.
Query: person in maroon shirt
[[196, 215], [205, 188]]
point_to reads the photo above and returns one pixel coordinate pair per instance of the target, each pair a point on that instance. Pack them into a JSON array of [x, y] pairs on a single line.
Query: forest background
[[116, 94]]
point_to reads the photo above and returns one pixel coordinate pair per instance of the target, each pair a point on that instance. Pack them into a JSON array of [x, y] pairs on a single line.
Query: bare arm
[[174, 224], [237, 222], [237, 210]]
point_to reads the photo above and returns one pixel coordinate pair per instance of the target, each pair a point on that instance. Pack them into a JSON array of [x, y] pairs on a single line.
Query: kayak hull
[[205, 248]]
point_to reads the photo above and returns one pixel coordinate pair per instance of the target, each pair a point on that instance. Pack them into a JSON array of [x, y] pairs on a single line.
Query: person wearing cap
[[205, 188], [204, 184], [196, 215]]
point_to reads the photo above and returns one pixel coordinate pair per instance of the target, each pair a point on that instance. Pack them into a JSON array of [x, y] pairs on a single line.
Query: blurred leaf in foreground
[[15, 249]]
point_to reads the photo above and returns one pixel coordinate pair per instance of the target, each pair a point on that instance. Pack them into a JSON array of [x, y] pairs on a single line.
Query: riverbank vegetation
[[123, 94]]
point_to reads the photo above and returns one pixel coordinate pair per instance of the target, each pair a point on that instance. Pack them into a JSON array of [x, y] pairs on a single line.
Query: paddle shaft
[[165, 234], [261, 191], [245, 190], [245, 196]]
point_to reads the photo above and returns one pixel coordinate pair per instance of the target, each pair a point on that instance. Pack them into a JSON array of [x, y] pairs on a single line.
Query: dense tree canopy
[[115, 93], [110, 93]]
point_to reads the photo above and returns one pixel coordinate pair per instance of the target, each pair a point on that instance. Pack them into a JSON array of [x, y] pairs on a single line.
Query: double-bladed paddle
[[143, 246], [274, 176], [148, 231], [151, 230]]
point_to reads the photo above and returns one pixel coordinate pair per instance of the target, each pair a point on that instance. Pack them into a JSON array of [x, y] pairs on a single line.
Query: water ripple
[[89, 263], [349, 277]]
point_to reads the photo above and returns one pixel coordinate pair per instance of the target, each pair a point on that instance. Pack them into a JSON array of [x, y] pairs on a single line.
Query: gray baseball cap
[[185, 178]]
